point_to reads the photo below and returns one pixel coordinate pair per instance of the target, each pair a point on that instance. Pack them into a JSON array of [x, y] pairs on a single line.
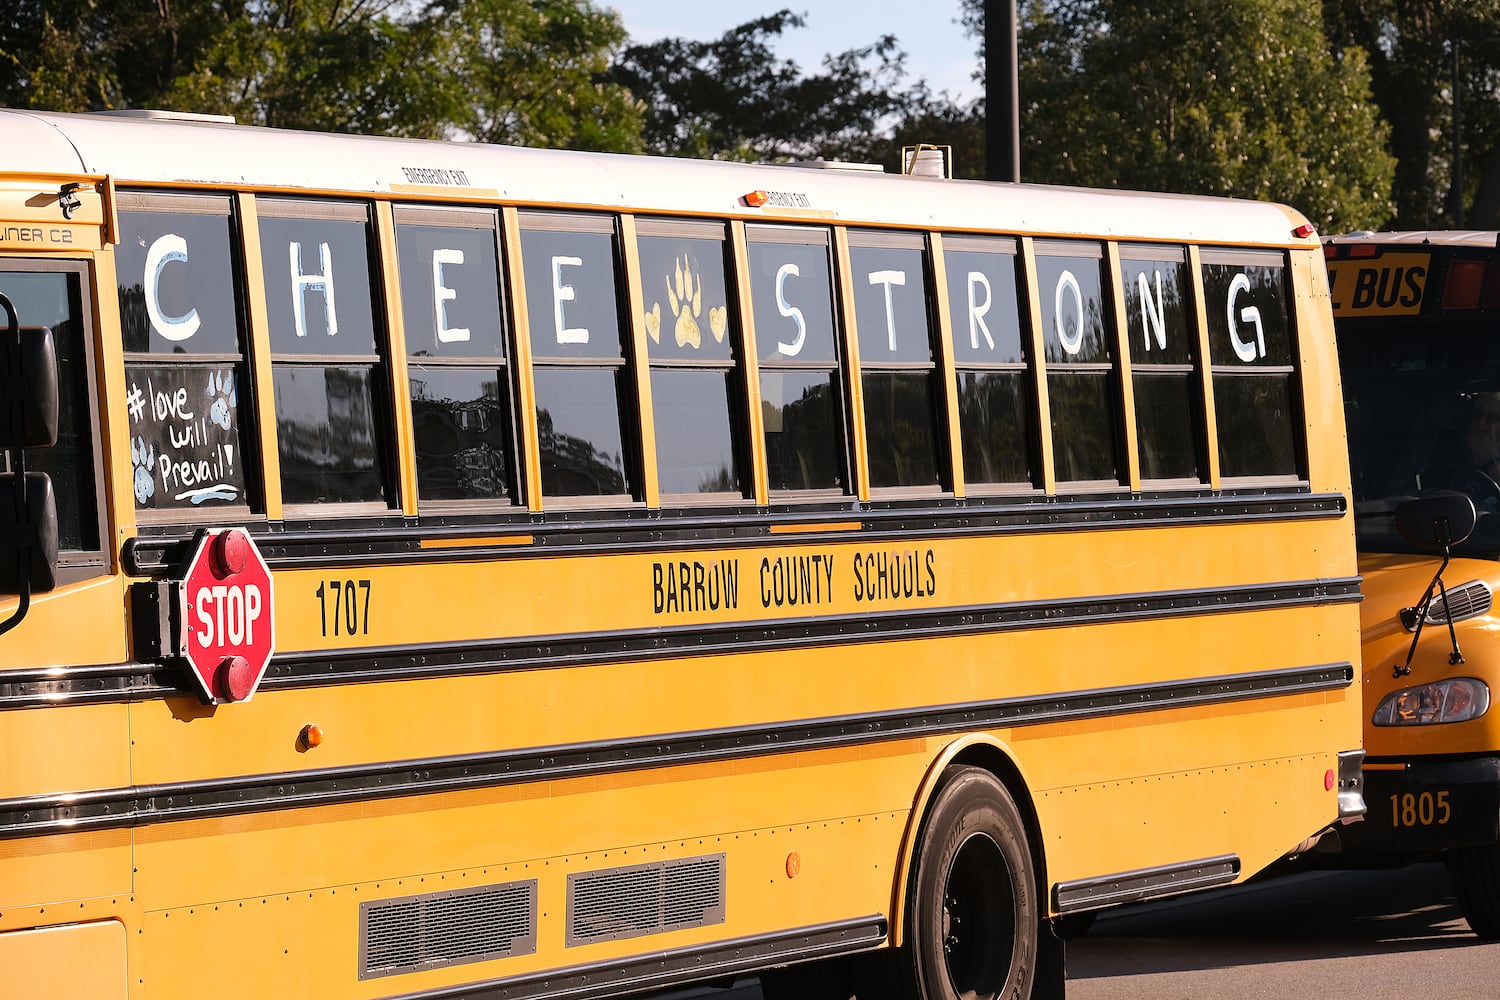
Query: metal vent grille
[[645, 899], [447, 928], [1467, 600]]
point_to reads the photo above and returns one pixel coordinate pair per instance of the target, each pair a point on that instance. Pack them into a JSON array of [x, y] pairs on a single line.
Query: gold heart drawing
[[653, 322]]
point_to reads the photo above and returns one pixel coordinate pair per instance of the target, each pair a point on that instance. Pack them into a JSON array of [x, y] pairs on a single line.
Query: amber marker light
[[755, 199], [793, 865], [311, 736]]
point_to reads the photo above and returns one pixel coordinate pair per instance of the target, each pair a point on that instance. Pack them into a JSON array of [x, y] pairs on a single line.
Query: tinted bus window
[[584, 388], [991, 350], [1162, 333], [1250, 346], [183, 326], [791, 295], [696, 392], [325, 352], [52, 295], [1081, 365], [457, 366], [898, 369]]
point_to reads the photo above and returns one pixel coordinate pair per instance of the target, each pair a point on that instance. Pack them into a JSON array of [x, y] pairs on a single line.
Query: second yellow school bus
[[467, 572], [1416, 317]]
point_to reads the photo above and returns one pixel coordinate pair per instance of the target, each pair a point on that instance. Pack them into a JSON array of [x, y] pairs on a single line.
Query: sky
[[928, 31]]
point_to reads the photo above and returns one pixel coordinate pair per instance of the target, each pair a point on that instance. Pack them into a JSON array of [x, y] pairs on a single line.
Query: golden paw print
[[685, 299]]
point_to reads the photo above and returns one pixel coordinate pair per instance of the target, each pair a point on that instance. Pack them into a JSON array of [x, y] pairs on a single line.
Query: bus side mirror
[[36, 572], [28, 390], [1437, 521]]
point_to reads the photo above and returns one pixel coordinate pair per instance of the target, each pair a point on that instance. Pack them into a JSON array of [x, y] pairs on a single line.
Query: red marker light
[[1465, 281], [236, 679], [1328, 780], [1303, 231], [231, 552], [755, 199]]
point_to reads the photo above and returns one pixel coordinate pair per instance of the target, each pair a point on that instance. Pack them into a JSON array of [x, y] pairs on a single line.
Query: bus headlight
[[1458, 699]]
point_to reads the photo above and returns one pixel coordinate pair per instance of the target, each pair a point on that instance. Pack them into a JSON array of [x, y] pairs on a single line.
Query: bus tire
[[971, 912], [1476, 882]]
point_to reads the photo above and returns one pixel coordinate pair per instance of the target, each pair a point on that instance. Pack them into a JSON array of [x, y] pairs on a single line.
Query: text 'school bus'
[[1418, 323], [470, 572]]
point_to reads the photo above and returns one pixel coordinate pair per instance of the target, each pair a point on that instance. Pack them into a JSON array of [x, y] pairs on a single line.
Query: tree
[[523, 71], [1224, 97], [731, 98], [1415, 51]]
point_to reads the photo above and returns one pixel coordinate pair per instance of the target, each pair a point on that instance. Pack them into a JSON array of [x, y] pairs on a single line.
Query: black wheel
[[971, 917], [1476, 881]]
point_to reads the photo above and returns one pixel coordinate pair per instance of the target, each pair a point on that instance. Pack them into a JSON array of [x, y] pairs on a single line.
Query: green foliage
[[524, 71], [1448, 171], [731, 98], [1239, 98]]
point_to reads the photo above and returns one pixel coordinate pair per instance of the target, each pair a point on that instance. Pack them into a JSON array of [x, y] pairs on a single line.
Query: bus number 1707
[[346, 603]]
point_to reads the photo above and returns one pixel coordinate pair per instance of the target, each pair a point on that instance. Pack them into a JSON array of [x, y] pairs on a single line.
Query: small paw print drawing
[[221, 391], [685, 299], [142, 457]]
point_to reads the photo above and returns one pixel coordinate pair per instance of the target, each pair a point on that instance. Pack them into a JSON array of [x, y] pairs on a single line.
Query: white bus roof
[[140, 150], [1481, 238]]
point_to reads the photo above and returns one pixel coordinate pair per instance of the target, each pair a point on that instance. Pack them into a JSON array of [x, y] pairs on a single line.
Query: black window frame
[[1144, 371], [930, 368], [376, 364], [1076, 375], [664, 365], [1021, 371], [835, 370], [503, 365], [1240, 374], [619, 366], [251, 506]]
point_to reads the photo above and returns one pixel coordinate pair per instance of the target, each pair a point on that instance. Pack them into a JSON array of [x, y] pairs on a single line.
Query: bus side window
[[991, 350], [697, 393], [796, 334], [898, 367], [455, 336], [1254, 378], [1082, 370], [331, 412], [584, 386], [54, 294], [186, 381], [1162, 333]]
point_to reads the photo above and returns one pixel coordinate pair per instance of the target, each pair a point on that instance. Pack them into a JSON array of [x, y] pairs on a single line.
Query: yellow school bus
[[443, 570], [1415, 314]]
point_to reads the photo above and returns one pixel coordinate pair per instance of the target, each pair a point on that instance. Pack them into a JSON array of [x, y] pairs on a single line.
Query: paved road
[[1309, 936], [1385, 935]]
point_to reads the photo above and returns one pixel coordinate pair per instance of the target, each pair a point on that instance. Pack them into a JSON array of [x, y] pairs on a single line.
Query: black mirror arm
[[1403, 669]]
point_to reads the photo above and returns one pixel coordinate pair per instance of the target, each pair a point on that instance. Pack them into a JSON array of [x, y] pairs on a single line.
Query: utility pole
[[1458, 142], [1002, 92]]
